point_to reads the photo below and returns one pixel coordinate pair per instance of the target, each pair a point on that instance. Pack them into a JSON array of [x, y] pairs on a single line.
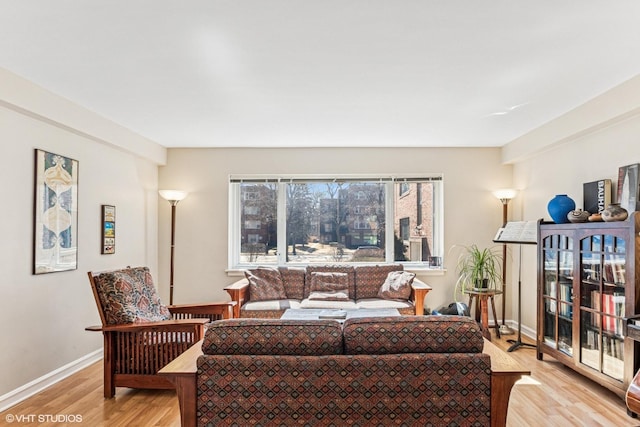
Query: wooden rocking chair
[[141, 335]]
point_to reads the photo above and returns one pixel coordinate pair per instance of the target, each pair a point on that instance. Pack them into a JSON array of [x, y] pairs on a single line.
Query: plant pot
[[482, 284]]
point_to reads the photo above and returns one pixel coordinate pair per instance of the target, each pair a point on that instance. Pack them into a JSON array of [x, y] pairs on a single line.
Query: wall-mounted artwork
[[629, 187], [56, 213], [108, 229]]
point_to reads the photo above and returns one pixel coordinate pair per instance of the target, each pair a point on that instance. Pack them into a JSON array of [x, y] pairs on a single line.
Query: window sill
[[420, 271]]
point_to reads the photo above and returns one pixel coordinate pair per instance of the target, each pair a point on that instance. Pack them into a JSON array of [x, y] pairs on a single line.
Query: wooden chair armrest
[[224, 309], [419, 291], [505, 371], [179, 324], [182, 374]]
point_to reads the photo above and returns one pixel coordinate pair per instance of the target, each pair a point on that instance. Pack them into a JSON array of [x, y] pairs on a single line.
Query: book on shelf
[[518, 232], [628, 187], [596, 195]]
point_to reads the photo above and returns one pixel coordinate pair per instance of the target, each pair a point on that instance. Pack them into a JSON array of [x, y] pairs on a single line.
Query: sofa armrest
[[419, 291], [181, 372], [505, 371], [239, 292]]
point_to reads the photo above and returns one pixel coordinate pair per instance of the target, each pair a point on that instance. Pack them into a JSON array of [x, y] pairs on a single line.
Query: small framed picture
[[108, 229]]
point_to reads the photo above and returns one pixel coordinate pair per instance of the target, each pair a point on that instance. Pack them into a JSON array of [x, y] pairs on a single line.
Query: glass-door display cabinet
[[588, 287]]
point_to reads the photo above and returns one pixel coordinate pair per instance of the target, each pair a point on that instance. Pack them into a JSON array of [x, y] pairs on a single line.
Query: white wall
[[586, 144], [473, 214], [42, 318]]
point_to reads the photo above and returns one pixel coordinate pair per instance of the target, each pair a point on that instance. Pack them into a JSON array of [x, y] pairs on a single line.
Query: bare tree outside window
[[337, 221]]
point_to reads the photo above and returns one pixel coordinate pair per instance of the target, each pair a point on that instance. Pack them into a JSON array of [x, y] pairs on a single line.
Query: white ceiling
[[296, 73]]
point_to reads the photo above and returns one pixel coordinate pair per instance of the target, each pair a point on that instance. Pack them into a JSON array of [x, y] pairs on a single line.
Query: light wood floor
[[552, 396]]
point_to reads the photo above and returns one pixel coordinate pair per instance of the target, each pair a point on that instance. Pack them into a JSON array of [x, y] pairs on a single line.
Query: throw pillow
[[397, 285], [329, 286], [265, 284]]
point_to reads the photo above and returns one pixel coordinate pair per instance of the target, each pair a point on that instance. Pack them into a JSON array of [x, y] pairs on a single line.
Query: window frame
[[235, 210]]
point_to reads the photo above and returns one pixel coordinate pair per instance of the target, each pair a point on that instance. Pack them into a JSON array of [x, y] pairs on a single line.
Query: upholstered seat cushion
[[329, 304], [129, 296], [281, 304], [383, 303]]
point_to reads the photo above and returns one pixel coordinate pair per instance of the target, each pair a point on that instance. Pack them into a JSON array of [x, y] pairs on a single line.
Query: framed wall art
[[55, 213], [108, 229], [629, 187]]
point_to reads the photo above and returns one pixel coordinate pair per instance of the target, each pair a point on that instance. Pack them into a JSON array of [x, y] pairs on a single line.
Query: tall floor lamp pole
[[173, 197], [505, 196]]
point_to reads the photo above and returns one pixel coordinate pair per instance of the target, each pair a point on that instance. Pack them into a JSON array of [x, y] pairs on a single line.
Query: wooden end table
[[484, 297]]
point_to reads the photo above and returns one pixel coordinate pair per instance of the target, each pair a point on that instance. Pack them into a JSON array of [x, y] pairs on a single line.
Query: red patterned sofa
[[267, 292], [410, 370]]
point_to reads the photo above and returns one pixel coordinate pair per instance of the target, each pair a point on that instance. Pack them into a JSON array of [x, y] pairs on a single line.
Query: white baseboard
[[526, 331], [24, 392]]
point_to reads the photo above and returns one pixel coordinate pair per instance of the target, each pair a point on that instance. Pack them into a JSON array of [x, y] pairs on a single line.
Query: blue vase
[[559, 207]]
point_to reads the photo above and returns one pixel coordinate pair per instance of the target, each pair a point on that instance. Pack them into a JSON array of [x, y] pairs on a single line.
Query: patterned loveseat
[[267, 292], [410, 370]]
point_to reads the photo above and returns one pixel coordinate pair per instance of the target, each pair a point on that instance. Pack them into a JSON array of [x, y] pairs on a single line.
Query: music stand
[[518, 232]]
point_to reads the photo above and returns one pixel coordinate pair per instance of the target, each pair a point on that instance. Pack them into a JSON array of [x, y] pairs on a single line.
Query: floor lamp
[[173, 197], [505, 196]]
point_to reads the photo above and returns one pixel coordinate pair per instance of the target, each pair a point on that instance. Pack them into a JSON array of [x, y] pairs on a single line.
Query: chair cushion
[[273, 337], [265, 284], [412, 334], [129, 296], [397, 285]]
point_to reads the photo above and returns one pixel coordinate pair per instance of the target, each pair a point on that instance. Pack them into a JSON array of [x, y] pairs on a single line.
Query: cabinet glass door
[[602, 300], [558, 292]]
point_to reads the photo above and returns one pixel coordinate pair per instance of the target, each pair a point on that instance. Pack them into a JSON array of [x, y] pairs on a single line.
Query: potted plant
[[478, 269]]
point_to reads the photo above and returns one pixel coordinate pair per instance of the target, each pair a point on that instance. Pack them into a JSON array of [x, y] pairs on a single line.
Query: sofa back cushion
[[265, 284], [348, 269], [273, 337], [129, 296], [370, 278], [293, 281], [412, 334]]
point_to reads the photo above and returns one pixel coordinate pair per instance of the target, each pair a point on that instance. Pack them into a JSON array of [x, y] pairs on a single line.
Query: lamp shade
[[505, 194], [173, 195]]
